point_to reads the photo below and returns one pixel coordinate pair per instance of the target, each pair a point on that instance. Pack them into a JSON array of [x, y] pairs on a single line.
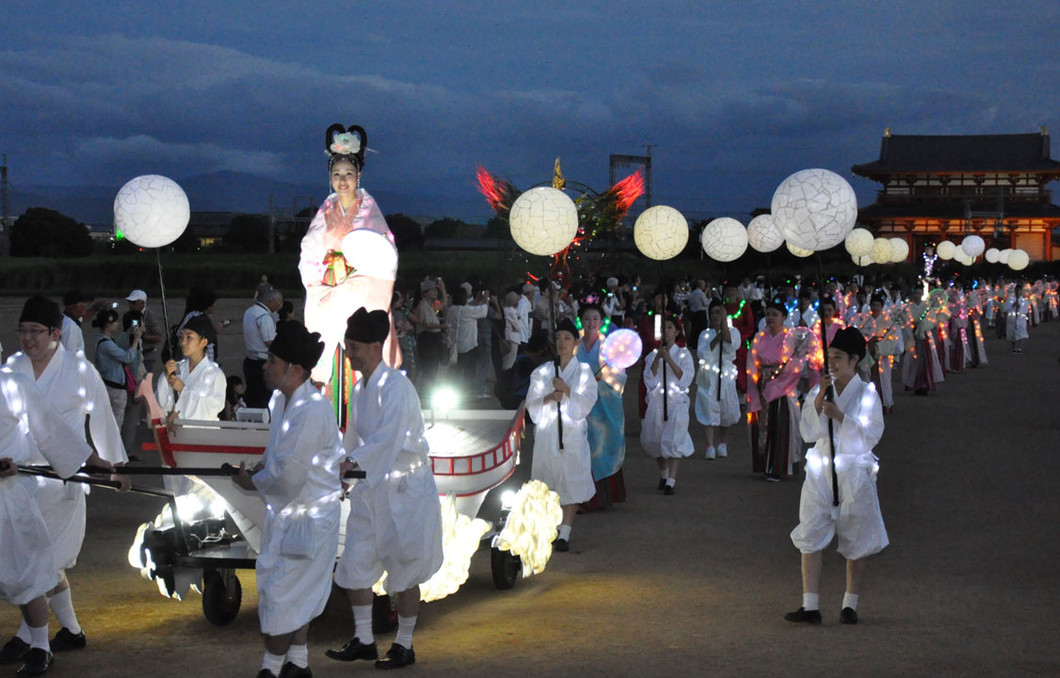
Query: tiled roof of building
[[974, 153]]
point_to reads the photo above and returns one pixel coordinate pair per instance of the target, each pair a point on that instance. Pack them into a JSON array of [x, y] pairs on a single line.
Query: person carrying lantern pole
[[717, 403], [564, 465], [668, 372], [843, 469]]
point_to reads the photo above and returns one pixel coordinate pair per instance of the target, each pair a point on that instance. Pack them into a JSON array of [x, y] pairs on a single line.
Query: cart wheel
[[384, 615], [221, 596], [505, 567]]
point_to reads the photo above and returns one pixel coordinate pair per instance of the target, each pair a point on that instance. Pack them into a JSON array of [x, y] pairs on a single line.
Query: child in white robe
[[664, 433]]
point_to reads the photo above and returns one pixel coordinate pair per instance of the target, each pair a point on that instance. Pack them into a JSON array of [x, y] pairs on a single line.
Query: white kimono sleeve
[[378, 448], [583, 394], [102, 425], [63, 448]]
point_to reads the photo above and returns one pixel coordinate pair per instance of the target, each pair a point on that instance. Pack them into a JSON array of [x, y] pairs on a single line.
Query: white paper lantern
[[992, 255], [946, 249], [151, 211], [798, 251], [1018, 260], [763, 234], [1003, 256], [881, 251], [858, 242], [621, 349], [724, 239], [370, 253], [899, 250], [543, 220], [973, 245], [660, 232], [962, 257], [815, 209]]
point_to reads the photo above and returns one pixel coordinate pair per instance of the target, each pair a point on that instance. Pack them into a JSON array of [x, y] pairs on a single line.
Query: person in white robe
[[854, 410], [75, 308], [395, 524], [30, 430], [566, 394], [298, 479], [882, 332], [1016, 309], [717, 403], [668, 370], [74, 388], [193, 388]]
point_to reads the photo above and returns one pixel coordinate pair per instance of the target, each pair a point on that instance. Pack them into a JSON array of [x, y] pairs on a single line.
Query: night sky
[[731, 96]]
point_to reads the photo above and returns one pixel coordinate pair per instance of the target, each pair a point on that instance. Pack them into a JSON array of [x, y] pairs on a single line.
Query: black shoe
[[848, 615], [668, 490], [662, 484], [397, 657], [14, 651], [772, 478], [353, 651], [558, 545], [265, 673], [38, 661], [289, 670], [802, 615], [64, 641]]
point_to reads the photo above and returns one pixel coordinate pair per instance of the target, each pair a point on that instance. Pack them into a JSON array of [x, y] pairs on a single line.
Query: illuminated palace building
[[945, 187]]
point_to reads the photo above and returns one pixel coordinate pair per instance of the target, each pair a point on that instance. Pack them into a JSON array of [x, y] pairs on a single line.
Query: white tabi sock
[[405, 628], [62, 605], [564, 532], [23, 633], [299, 655], [272, 662], [38, 637], [811, 602], [850, 600], [723, 450], [670, 482], [362, 619]]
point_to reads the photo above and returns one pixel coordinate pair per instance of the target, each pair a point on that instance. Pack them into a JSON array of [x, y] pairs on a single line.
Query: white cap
[[137, 295]]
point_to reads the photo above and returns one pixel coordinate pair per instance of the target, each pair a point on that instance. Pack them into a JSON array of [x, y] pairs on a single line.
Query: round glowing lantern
[[763, 234], [962, 257], [814, 209], [798, 251], [858, 242], [899, 250], [973, 245], [660, 232], [861, 261], [621, 349], [543, 220], [881, 251], [151, 211], [1018, 260], [946, 249], [1003, 256], [724, 239], [992, 255], [370, 253]]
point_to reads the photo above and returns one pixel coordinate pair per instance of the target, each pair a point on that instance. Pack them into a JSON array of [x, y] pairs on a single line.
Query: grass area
[[236, 274]]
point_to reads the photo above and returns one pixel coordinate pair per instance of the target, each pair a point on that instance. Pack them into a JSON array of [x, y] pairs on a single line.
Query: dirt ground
[[695, 583]]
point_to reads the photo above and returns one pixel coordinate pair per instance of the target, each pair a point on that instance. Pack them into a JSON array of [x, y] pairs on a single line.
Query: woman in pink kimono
[[338, 282], [778, 357]]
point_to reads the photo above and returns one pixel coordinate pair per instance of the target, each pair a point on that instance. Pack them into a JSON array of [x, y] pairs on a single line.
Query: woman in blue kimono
[[607, 422]]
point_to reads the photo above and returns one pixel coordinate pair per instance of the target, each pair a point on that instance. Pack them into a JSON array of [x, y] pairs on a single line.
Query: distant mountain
[[238, 192]]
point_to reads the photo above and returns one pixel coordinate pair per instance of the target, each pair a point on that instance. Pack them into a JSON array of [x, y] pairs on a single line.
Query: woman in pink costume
[[337, 283]]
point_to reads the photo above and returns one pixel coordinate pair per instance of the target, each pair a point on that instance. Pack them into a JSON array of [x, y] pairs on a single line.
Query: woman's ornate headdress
[[341, 143]]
